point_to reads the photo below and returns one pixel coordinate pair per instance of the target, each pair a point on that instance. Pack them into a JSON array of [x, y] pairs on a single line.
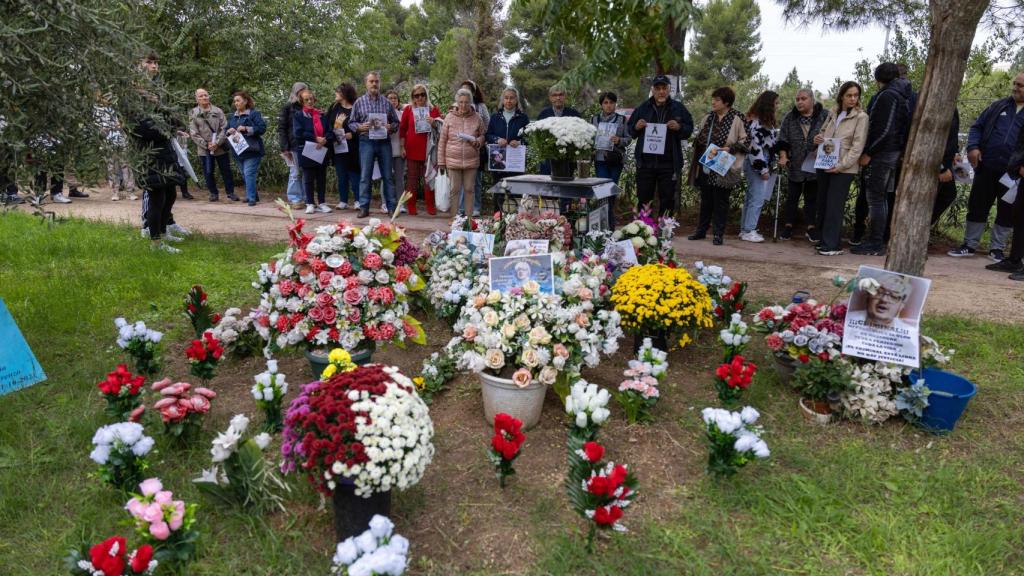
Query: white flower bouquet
[[451, 278], [376, 552], [240, 476], [269, 391], [733, 440], [120, 450], [561, 137], [141, 343]]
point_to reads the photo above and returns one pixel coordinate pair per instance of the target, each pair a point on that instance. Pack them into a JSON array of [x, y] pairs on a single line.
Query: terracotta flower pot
[[817, 411]]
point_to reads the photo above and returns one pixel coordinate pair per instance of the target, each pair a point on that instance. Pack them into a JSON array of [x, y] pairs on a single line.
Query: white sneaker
[[324, 208], [163, 247], [752, 236], [342, 205], [61, 199], [310, 208], [171, 237], [383, 209], [145, 232], [115, 198], [476, 213], [133, 197], [179, 229], [403, 210]]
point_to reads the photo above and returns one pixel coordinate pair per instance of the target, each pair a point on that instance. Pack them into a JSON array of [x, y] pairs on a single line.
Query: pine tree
[[724, 49]]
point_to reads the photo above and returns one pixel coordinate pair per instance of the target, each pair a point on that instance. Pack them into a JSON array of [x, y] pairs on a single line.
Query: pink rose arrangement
[[164, 522], [638, 393], [181, 407], [342, 286]]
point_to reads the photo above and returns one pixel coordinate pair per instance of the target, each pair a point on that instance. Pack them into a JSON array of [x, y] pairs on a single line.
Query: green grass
[[848, 499]]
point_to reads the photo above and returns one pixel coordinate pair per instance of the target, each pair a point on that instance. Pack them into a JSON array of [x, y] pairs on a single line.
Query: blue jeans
[[250, 167], [296, 189], [224, 165], [758, 192], [381, 150], [347, 180]]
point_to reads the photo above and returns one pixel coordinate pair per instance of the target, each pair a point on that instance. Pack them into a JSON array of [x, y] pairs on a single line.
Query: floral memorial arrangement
[[198, 311], [112, 558], [240, 476], [367, 426], [451, 278], [561, 138], [506, 443], [638, 393], [122, 391], [181, 408], [726, 294], [377, 551], [165, 523], [269, 391], [528, 224], [237, 333], [657, 299], [120, 450], [733, 440], [203, 356], [342, 286], [142, 345]]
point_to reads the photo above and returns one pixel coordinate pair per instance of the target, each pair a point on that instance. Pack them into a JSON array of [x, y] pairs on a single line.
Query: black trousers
[[809, 190], [943, 200], [1017, 242], [56, 182], [834, 190], [985, 190], [661, 182], [315, 180], [158, 212], [714, 207]]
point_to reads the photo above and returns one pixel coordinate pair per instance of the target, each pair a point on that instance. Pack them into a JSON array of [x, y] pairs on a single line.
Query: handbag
[[442, 192]]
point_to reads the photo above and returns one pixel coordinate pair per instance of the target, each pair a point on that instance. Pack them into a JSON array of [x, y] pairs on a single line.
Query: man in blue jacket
[[990, 143], [658, 173]]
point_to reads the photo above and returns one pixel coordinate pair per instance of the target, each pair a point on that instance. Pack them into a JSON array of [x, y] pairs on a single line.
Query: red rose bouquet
[[203, 356], [181, 408], [733, 377], [199, 312], [505, 445], [343, 286], [111, 558], [599, 491], [121, 389]]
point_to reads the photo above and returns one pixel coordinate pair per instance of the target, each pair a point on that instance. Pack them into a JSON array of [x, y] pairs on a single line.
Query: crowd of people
[[375, 136]]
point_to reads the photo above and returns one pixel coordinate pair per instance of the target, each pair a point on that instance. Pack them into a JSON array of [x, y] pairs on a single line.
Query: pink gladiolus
[[160, 530], [158, 386], [151, 486], [206, 392]]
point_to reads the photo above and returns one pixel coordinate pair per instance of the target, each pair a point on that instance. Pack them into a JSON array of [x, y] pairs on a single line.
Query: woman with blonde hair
[[414, 132]]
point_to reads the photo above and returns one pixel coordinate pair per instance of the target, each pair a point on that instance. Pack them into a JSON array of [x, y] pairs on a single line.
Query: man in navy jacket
[[556, 95], [658, 174], [990, 143]]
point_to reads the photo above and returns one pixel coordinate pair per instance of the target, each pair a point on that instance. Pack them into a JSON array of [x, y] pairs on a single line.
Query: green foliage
[[724, 50], [819, 379], [251, 483]]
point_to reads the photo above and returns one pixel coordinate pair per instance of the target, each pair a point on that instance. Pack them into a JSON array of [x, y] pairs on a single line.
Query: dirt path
[[775, 270]]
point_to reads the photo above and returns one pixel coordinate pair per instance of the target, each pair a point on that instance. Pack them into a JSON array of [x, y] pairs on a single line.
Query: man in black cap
[[660, 125]]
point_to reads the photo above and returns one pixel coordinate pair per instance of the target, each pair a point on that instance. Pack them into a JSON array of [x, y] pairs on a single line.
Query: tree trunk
[[953, 24]]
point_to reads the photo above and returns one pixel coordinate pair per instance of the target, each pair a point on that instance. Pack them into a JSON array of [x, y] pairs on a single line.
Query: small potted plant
[[821, 382]]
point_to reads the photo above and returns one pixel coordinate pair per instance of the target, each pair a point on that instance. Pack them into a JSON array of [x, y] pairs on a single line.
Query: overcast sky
[[818, 57]]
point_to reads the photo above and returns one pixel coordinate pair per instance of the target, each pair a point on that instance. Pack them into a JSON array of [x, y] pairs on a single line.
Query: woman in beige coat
[[848, 124], [458, 150]]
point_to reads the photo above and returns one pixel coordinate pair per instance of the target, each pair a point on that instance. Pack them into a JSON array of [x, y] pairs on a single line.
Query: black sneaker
[[697, 236], [828, 252], [12, 199], [812, 237], [857, 240], [961, 252], [187, 195], [76, 193], [718, 240], [996, 255], [787, 233], [1019, 276], [1006, 265], [864, 250]]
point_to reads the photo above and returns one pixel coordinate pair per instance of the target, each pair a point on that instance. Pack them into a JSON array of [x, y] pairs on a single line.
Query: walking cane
[[778, 194]]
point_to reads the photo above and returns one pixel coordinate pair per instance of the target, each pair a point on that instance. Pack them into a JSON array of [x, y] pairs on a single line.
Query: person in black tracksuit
[[1014, 261], [657, 175], [152, 134]]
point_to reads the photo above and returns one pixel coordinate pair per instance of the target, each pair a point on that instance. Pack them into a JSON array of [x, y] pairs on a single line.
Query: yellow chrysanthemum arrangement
[[655, 297], [340, 361]]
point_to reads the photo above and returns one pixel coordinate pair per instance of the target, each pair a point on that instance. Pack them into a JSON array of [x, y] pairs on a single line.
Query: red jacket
[[415, 144]]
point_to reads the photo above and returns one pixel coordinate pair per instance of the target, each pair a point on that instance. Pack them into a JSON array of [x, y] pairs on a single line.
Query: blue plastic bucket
[[949, 397]]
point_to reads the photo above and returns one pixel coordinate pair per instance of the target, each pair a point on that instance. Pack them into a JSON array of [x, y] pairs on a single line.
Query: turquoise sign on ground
[[18, 366]]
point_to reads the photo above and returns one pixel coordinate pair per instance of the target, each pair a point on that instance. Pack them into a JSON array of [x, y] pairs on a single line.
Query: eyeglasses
[[421, 95], [883, 294]]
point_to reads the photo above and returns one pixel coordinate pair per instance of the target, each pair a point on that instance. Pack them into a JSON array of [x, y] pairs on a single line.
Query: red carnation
[[594, 452], [402, 273], [140, 562], [108, 556], [607, 515], [372, 261]]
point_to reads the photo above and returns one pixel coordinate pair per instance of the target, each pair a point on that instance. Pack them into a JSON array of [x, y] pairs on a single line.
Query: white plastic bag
[[442, 192]]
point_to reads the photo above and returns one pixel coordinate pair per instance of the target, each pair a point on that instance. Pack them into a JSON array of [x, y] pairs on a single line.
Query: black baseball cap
[[661, 79]]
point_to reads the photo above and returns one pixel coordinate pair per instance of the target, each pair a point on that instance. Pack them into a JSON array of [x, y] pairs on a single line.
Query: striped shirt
[[366, 105]]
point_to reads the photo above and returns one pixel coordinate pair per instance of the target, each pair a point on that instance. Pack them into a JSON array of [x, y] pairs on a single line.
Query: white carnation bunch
[[376, 552], [127, 332], [587, 405], [124, 438]]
